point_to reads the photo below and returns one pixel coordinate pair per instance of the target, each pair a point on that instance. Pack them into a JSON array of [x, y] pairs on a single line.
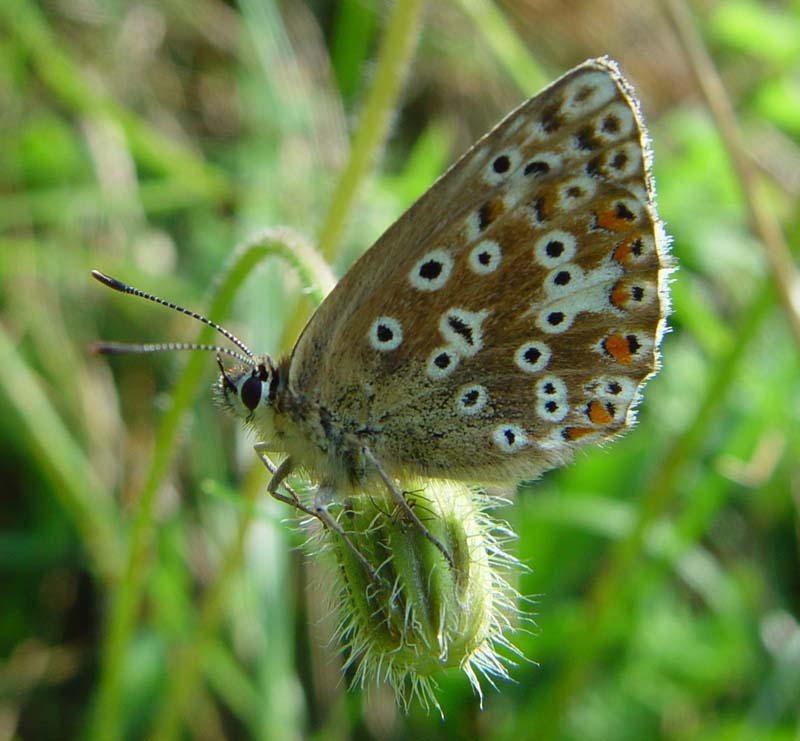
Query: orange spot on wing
[[620, 295], [599, 414], [544, 205], [617, 346], [576, 433], [611, 221], [489, 212], [623, 251]]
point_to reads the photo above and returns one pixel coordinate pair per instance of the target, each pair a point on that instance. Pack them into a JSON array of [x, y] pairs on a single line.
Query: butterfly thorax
[[327, 444], [328, 439]]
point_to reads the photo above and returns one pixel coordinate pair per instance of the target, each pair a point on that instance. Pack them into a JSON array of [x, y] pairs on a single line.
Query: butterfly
[[510, 316]]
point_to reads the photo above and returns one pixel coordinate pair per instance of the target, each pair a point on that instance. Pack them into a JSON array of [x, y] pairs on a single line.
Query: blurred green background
[[150, 590]]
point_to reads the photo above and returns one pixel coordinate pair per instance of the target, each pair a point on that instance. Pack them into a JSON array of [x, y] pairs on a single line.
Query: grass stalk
[[67, 83], [61, 456], [392, 65], [608, 590], [505, 43], [609, 587], [763, 223]]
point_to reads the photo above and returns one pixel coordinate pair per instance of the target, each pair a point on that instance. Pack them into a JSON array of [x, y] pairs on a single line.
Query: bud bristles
[[425, 616]]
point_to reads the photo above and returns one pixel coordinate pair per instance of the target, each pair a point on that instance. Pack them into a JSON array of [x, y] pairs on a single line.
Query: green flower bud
[[415, 615]]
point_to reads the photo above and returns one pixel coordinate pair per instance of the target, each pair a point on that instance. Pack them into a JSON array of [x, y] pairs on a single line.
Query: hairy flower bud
[[412, 614]]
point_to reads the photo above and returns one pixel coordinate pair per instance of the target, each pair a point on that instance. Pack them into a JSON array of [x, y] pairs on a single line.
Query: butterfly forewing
[[514, 311]]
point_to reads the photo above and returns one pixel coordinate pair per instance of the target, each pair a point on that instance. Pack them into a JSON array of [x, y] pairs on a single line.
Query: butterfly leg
[[321, 500], [279, 475], [397, 495]]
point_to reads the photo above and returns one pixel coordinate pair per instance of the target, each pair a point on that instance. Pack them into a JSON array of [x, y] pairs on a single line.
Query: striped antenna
[[123, 348], [113, 348]]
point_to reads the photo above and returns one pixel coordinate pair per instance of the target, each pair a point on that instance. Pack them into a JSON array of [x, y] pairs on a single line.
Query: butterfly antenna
[[124, 348], [118, 285]]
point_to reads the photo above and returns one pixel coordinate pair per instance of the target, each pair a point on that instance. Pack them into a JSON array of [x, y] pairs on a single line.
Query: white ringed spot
[[509, 438], [431, 271], [630, 293], [541, 165], [442, 362], [551, 399], [536, 133], [563, 280], [615, 122], [634, 250], [484, 257], [555, 440], [555, 319], [621, 215], [620, 391], [588, 92], [532, 357], [471, 399], [626, 348], [576, 190], [385, 334], [554, 248], [501, 166], [602, 413], [624, 161], [620, 388], [461, 329], [542, 208]]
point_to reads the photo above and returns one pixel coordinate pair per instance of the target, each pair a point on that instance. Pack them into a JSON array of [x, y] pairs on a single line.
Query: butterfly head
[[247, 391]]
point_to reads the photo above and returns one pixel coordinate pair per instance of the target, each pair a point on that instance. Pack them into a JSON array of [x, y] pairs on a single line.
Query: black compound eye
[[251, 392]]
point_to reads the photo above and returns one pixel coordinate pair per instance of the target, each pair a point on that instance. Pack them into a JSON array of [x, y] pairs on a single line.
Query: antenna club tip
[[108, 281], [111, 348]]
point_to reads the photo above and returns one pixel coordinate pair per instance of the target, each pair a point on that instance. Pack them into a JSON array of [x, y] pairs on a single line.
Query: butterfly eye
[[251, 392]]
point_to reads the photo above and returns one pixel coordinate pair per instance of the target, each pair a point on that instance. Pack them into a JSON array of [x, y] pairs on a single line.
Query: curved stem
[[126, 598], [369, 137], [184, 670]]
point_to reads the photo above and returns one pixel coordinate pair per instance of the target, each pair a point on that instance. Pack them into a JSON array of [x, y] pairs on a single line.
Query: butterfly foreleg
[[321, 500], [279, 474], [401, 501]]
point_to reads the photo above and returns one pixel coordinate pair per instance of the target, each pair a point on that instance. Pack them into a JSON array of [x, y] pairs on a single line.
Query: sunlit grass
[[148, 141]]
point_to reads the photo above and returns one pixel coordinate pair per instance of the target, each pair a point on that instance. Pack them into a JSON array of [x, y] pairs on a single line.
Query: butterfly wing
[[515, 310]]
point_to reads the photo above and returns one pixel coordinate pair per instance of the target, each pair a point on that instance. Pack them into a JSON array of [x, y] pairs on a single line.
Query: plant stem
[[763, 223], [78, 490], [506, 44], [125, 600], [393, 62]]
